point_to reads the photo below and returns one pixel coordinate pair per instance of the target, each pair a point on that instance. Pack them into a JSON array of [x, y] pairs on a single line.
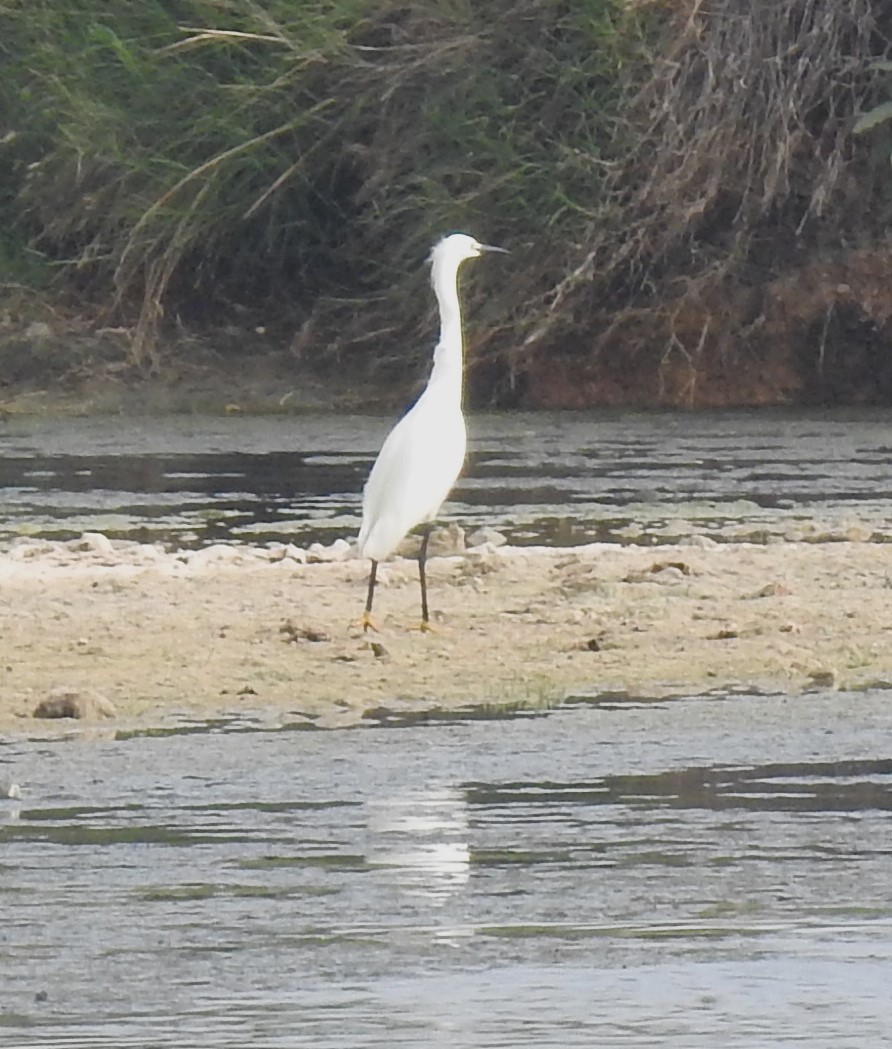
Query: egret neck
[[446, 374]]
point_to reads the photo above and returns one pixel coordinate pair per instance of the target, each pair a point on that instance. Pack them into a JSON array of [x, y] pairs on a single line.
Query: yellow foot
[[367, 624]]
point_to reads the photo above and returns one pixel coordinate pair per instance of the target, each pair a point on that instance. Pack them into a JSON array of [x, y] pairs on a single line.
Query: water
[[694, 873], [690, 873], [559, 478]]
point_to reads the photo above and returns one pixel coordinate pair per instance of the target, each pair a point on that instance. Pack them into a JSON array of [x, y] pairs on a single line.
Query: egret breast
[[414, 472]]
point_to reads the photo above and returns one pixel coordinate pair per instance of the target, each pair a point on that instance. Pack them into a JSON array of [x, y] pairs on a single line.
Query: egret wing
[[417, 466]]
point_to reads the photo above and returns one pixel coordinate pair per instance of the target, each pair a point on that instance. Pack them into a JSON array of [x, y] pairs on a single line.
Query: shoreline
[[236, 630]]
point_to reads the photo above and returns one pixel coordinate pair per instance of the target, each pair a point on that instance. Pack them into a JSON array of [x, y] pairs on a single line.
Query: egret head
[[456, 247]]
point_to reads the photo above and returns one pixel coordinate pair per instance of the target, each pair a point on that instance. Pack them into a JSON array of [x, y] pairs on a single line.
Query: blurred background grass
[[213, 165]]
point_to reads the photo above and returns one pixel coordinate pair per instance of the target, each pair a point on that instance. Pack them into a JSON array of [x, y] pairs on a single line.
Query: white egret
[[421, 458]]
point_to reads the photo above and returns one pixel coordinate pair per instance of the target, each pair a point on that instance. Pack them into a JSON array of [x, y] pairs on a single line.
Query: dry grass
[[744, 173], [673, 177]]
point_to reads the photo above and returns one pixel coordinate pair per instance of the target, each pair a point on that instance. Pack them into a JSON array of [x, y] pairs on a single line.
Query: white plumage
[[422, 456], [414, 472]]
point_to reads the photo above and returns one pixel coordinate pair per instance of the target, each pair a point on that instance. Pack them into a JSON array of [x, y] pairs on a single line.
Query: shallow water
[[698, 872], [556, 478]]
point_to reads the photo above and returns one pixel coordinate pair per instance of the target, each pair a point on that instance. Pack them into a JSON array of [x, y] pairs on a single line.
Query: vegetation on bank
[[691, 217]]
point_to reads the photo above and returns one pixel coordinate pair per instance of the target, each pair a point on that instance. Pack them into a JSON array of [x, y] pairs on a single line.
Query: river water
[[560, 478], [701, 872]]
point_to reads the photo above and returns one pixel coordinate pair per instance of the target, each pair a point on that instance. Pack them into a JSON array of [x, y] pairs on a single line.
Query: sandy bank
[[242, 628]]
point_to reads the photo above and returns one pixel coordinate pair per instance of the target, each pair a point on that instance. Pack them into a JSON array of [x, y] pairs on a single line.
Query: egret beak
[[492, 247]]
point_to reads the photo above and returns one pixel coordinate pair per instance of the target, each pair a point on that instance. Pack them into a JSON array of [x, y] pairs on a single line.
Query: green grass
[[657, 169], [288, 163]]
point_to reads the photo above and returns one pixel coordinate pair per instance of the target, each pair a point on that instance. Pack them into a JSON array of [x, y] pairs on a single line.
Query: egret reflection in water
[[708, 871], [422, 838]]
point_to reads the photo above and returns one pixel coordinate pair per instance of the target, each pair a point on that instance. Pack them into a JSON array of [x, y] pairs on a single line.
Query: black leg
[[367, 618], [422, 557]]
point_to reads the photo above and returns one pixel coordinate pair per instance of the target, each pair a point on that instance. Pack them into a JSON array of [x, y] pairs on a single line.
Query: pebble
[[823, 678], [147, 553], [774, 589], [701, 542], [481, 561], [446, 541], [82, 704], [94, 543], [287, 552], [484, 536], [340, 550], [665, 572], [858, 533], [297, 632], [216, 552]]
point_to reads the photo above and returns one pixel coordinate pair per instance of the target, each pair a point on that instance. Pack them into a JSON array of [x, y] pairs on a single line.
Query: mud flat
[[226, 629]]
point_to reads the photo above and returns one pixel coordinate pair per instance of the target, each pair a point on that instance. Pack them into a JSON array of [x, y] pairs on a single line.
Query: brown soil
[[245, 629], [820, 333]]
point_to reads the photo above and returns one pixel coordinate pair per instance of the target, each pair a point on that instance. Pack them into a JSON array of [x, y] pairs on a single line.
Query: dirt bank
[[238, 628]]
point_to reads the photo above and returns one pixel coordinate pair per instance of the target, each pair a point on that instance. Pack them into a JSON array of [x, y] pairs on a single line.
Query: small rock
[[773, 590], [823, 678], [287, 552], [660, 572], [147, 553], [485, 535], [71, 703], [448, 541], [701, 542], [673, 566], [292, 631], [9, 790], [410, 546], [340, 550], [216, 553], [24, 549], [481, 561], [858, 533], [93, 543]]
